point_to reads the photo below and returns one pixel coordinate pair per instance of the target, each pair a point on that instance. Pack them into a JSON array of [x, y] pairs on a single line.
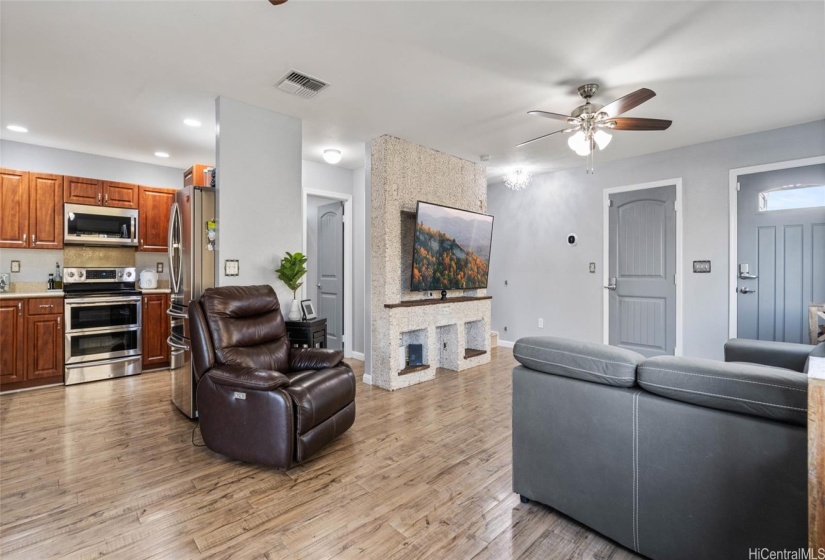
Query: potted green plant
[[292, 269]]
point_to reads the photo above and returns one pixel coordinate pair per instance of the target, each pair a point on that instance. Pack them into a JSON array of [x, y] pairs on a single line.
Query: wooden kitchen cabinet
[[12, 341], [14, 208], [45, 211], [155, 208], [31, 208], [31, 342], [80, 190], [155, 331]]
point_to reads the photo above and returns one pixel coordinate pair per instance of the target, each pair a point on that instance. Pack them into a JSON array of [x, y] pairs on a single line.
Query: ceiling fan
[[592, 122]]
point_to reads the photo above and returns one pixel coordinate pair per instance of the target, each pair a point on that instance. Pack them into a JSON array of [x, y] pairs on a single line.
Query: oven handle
[[176, 315], [170, 341], [97, 301]]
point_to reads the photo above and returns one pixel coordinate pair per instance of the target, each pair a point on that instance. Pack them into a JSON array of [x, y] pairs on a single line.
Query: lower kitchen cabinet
[[155, 331], [31, 342]]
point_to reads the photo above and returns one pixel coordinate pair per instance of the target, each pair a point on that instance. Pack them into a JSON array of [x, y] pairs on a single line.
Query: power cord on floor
[[193, 436]]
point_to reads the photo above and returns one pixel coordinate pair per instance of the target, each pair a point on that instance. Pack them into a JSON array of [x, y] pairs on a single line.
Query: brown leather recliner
[[259, 399]]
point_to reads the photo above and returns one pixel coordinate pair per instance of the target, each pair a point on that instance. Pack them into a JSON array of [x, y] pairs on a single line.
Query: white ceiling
[[117, 78]]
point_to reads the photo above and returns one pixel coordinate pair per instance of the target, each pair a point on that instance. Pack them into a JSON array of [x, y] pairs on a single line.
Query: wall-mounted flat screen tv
[[452, 248]]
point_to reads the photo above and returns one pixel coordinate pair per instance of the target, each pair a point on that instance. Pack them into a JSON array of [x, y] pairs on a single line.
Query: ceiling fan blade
[[545, 136], [626, 103], [548, 115], [631, 123]]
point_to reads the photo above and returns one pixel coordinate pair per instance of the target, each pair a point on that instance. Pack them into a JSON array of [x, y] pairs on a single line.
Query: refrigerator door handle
[[174, 248], [176, 345]]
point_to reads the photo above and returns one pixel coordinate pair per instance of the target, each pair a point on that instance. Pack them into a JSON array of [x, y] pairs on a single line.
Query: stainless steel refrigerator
[[191, 270]]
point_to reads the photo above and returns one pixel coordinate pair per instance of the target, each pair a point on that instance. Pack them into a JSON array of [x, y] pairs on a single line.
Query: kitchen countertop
[[23, 295], [155, 290]]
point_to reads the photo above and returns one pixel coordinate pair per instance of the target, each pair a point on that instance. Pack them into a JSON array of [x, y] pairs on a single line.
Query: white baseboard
[[358, 355], [506, 343], [367, 379]]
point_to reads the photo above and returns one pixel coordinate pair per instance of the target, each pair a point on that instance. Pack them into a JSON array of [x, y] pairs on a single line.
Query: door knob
[[318, 286], [746, 290], [611, 283]]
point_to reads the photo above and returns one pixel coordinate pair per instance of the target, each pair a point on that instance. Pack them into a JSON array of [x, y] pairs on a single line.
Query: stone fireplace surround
[[455, 333]]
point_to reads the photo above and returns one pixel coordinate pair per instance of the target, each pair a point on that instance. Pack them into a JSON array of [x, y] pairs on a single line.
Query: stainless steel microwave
[[100, 225]]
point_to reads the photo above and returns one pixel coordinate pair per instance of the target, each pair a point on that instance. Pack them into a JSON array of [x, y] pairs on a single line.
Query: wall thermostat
[[572, 239]]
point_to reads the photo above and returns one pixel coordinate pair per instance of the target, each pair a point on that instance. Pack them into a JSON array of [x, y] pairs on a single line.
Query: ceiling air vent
[[301, 85]]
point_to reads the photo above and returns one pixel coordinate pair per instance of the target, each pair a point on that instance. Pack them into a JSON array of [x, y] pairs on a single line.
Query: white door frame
[[606, 253], [348, 287], [733, 220]]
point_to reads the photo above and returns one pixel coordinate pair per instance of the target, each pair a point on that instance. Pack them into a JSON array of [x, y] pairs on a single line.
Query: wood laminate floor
[[108, 468]]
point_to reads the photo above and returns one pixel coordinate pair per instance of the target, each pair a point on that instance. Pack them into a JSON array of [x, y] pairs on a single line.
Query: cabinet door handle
[[145, 301], [45, 306], [107, 199], [98, 198], [24, 239], [20, 308], [34, 239], [58, 323]]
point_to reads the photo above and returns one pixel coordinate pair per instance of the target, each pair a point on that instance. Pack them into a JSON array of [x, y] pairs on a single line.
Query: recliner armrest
[[788, 355], [314, 358], [247, 378]]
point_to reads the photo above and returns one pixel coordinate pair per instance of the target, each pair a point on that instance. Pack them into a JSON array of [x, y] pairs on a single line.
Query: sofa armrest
[[786, 355], [313, 358], [247, 378]]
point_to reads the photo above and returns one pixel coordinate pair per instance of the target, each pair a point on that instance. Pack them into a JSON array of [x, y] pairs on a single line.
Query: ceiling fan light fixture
[[579, 143], [602, 139]]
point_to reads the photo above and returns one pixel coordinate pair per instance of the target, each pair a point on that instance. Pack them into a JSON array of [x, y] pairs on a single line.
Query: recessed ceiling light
[[161, 154], [332, 156], [17, 128], [191, 122]]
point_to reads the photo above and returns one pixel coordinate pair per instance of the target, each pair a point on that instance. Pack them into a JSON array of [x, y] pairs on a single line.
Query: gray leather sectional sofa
[[672, 457]]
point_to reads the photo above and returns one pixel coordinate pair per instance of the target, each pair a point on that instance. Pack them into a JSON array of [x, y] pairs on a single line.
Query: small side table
[[312, 334]]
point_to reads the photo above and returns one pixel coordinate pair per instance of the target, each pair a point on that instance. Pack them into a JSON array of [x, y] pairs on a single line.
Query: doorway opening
[[777, 249], [328, 247], [642, 305]]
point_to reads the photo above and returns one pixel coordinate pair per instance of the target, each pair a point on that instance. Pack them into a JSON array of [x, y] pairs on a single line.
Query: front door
[[642, 270], [780, 253], [331, 271]]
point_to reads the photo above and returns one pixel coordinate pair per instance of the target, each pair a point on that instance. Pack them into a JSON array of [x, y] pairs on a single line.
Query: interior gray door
[[642, 270], [331, 271], [780, 252]]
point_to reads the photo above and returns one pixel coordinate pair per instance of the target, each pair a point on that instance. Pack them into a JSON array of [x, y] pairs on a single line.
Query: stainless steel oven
[[103, 324]]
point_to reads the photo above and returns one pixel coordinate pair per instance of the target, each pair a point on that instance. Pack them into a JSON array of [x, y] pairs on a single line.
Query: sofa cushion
[[769, 392], [817, 352], [597, 363]]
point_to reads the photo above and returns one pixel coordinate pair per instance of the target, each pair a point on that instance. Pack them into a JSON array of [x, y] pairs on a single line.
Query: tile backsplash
[[78, 255]]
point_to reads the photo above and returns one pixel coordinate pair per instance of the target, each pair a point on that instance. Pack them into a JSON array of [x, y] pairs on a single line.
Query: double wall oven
[[103, 324]]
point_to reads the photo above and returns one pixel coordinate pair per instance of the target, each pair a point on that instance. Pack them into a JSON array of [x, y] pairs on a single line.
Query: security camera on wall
[[572, 239]]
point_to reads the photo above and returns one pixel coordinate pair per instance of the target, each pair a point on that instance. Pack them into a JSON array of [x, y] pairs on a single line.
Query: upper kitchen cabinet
[[79, 190], [31, 208], [14, 208], [120, 195], [45, 211], [155, 208]]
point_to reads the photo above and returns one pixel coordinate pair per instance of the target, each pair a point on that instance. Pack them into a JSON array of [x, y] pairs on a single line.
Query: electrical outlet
[[505, 329], [541, 323], [159, 268], [231, 267], [15, 266], [505, 282], [592, 268]]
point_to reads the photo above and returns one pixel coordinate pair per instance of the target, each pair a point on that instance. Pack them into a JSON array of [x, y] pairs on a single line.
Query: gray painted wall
[[358, 279], [548, 279], [259, 193], [326, 177]]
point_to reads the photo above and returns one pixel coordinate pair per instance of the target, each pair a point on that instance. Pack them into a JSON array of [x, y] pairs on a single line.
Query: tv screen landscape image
[[452, 248]]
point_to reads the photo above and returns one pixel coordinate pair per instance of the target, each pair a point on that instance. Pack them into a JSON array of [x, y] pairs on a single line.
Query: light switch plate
[[231, 267], [15, 266], [159, 268], [592, 268]]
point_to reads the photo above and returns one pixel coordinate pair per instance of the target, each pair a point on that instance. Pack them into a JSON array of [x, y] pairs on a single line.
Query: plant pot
[[295, 313]]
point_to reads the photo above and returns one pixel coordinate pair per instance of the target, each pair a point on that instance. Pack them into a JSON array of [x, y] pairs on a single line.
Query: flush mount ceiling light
[[162, 154], [17, 128], [332, 156], [590, 122], [518, 179], [192, 122]]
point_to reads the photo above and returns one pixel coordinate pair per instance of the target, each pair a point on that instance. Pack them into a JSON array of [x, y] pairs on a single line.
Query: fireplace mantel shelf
[[435, 301]]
